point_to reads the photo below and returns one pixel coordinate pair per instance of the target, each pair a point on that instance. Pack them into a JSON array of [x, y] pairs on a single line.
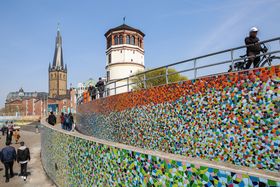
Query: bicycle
[[265, 59]]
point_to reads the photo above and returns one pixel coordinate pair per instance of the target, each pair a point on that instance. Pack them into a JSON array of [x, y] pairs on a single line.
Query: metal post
[[115, 85], [232, 62], [145, 83], [195, 70], [128, 84], [166, 74]]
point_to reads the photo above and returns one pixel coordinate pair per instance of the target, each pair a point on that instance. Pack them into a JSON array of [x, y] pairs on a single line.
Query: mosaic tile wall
[[232, 118], [76, 162]]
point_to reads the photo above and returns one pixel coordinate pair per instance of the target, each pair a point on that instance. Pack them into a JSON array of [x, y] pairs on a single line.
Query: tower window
[[108, 75], [139, 42], [116, 39], [132, 40], [121, 39], [109, 59], [127, 39]]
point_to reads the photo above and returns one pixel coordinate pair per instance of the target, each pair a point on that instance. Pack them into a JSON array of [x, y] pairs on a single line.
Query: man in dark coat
[[52, 119], [100, 87], [8, 156], [92, 92], [253, 49], [23, 156]]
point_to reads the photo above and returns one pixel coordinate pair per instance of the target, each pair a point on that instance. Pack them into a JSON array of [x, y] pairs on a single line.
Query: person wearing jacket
[[254, 48], [8, 156], [52, 119], [100, 87], [23, 156]]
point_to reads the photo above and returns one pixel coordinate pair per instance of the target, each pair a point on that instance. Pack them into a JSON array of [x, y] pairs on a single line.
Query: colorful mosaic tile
[[73, 161], [232, 118]]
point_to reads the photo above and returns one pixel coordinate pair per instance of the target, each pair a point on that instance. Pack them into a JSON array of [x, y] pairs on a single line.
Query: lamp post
[[21, 94]]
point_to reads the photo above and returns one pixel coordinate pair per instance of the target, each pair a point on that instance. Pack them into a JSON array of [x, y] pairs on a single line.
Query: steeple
[[58, 55]]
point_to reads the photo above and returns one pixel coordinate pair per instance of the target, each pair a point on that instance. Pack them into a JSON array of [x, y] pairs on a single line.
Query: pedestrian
[[92, 92], [8, 156], [100, 87], [62, 120], [71, 121], [52, 119], [9, 131], [4, 128], [23, 156], [16, 135], [66, 122]]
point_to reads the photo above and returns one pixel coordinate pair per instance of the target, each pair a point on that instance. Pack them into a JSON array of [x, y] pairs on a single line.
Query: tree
[[156, 78]]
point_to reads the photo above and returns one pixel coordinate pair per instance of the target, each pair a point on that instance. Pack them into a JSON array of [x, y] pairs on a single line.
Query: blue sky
[[175, 30]]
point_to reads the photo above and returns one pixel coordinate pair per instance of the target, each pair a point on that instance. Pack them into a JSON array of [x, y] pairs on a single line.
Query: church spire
[[58, 55]]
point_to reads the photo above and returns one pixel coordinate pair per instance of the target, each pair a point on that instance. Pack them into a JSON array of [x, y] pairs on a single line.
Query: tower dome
[[125, 54]]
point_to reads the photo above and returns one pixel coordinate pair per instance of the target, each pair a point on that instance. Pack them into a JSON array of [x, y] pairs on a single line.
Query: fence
[[192, 68]]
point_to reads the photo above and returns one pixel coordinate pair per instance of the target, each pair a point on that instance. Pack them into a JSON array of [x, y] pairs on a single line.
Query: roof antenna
[[124, 20]]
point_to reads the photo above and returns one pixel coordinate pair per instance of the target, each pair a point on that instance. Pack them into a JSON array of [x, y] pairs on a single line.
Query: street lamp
[[21, 95]]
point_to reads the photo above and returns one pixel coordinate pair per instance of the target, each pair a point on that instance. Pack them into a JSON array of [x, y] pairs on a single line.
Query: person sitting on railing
[[100, 87], [253, 49]]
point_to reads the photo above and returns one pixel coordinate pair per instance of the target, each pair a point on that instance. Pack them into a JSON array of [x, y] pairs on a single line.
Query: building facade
[[58, 71], [124, 56], [22, 103]]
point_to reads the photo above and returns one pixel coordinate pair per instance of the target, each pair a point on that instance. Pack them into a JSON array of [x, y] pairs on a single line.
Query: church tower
[[57, 71], [125, 55]]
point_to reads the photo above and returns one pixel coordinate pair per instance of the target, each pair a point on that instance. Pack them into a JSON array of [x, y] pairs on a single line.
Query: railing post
[[115, 85], [232, 62], [145, 84], [166, 74], [128, 84], [195, 70]]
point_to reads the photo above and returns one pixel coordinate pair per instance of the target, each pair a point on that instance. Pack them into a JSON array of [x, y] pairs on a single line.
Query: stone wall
[[72, 159], [232, 118]]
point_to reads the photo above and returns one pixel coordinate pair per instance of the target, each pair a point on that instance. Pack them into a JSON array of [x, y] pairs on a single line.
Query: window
[[139, 42], [132, 40], [108, 75], [116, 39], [127, 39], [109, 59], [121, 39], [109, 42]]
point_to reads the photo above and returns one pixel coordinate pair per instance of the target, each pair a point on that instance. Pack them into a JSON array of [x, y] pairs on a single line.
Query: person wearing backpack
[[23, 156]]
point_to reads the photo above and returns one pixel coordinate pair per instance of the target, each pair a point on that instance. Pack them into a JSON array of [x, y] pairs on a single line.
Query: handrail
[[112, 85], [199, 57]]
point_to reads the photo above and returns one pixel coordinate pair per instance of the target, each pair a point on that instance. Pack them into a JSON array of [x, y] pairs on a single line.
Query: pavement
[[37, 177]]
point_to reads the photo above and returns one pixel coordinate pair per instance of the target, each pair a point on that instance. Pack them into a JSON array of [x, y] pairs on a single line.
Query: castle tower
[[125, 55], [57, 71]]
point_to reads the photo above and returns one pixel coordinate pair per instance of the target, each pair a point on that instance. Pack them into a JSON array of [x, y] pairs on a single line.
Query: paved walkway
[[37, 177]]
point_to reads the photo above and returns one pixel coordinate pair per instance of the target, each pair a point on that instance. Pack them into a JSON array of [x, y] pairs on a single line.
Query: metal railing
[[126, 84]]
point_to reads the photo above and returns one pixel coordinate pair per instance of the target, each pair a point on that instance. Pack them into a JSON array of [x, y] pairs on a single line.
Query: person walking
[[16, 135], [4, 128], [52, 119], [62, 120], [9, 131], [66, 122], [23, 156], [100, 87], [71, 121], [8, 156]]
